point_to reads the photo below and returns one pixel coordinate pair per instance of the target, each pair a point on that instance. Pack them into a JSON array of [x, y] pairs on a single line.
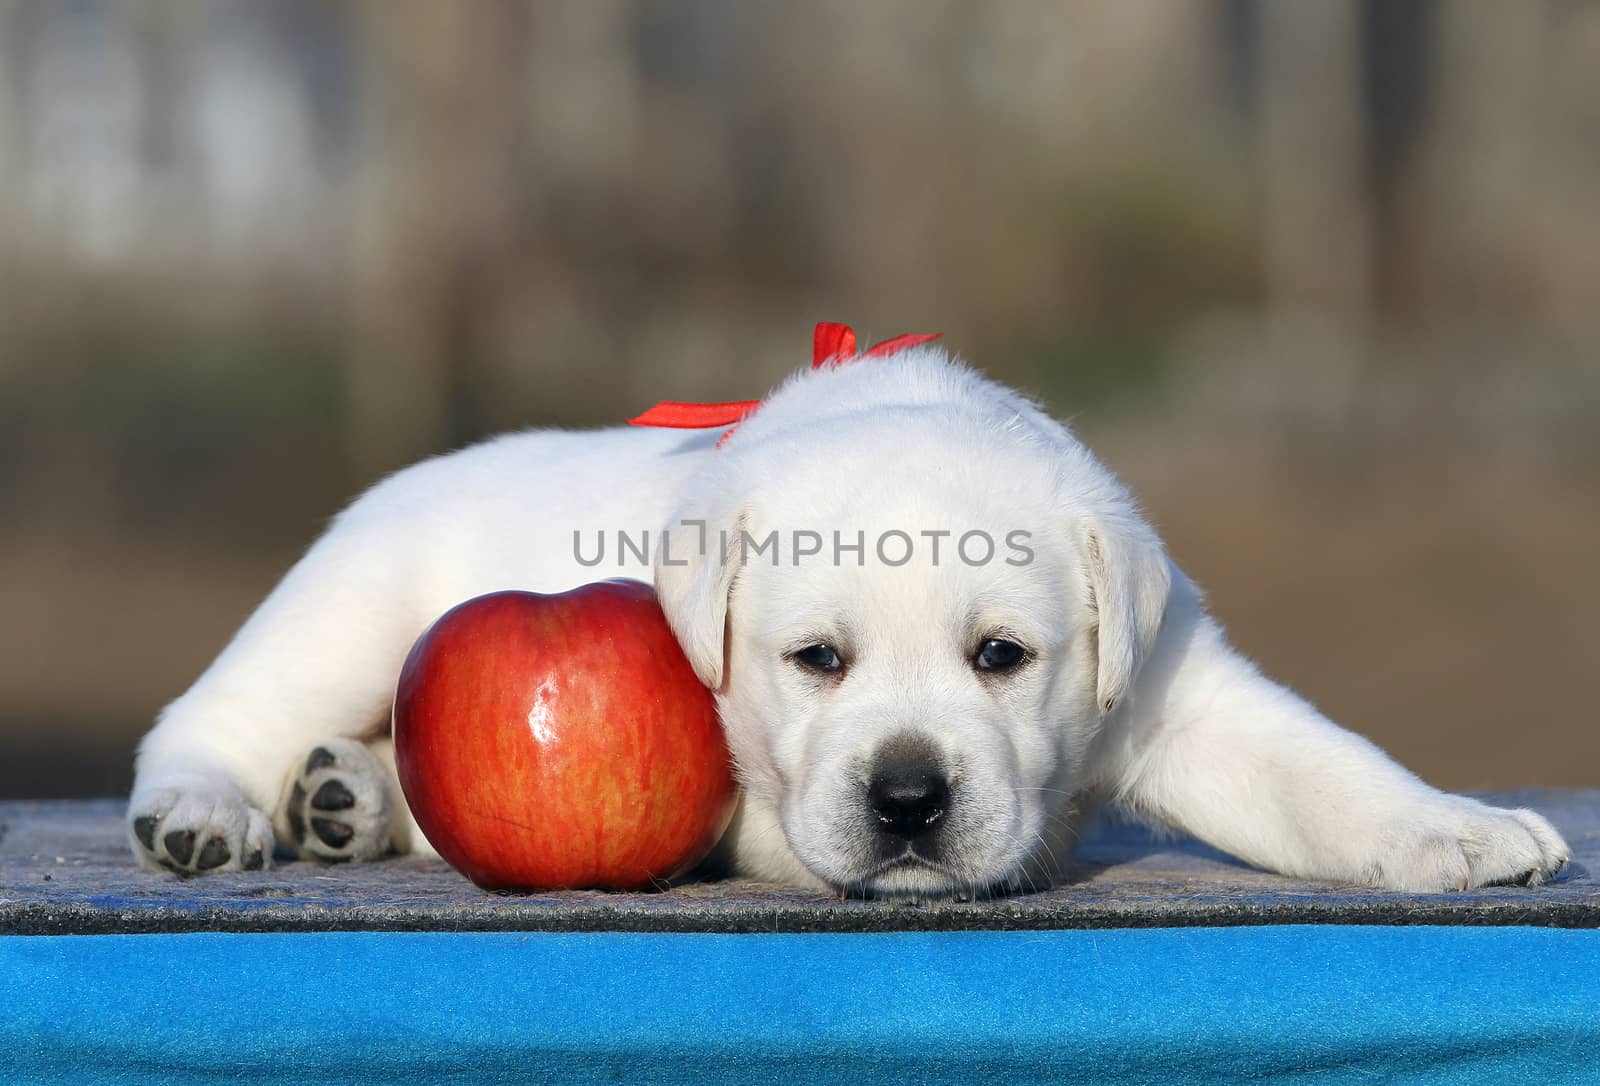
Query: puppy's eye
[[996, 654], [818, 658]]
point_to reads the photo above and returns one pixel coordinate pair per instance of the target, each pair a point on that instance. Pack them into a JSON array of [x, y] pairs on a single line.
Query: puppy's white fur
[[1130, 693]]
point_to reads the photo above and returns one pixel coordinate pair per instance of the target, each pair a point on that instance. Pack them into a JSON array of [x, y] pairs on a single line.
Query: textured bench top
[[65, 868]]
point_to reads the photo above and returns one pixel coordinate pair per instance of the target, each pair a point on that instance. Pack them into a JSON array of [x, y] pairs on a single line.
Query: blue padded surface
[[1176, 1005]]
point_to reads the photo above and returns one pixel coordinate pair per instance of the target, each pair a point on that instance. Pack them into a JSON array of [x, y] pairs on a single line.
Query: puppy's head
[[915, 617]]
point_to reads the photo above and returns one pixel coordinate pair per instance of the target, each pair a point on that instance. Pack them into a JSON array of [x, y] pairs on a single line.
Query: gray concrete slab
[[65, 868]]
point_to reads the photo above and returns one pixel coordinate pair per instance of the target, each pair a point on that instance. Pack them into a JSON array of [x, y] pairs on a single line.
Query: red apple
[[556, 742]]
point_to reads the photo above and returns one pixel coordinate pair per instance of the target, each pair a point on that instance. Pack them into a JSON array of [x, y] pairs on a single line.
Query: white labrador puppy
[[937, 628]]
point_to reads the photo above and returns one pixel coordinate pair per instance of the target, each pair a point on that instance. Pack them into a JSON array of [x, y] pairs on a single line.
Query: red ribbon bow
[[831, 345]]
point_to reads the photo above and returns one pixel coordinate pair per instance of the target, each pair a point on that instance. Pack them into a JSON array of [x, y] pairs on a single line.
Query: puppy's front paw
[[198, 829], [1468, 844], [336, 806]]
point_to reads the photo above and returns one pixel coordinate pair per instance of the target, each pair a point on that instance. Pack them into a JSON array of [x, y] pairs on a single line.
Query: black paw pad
[[180, 845], [144, 828], [320, 758], [1525, 879], [297, 819], [215, 854], [334, 834], [254, 861], [333, 796]]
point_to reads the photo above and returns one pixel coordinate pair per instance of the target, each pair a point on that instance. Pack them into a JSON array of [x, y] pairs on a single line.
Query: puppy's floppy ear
[[1129, 580], [694, 580]]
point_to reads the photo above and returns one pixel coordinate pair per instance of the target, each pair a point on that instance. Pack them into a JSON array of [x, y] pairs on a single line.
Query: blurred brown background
[[1321, 280]]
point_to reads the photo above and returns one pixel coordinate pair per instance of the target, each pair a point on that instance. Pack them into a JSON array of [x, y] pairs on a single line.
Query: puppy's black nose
[[908, 791], [908, 805]]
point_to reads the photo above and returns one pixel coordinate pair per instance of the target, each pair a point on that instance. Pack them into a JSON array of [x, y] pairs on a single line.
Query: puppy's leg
[[317, 661], [403, 829], [1214, 748]]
